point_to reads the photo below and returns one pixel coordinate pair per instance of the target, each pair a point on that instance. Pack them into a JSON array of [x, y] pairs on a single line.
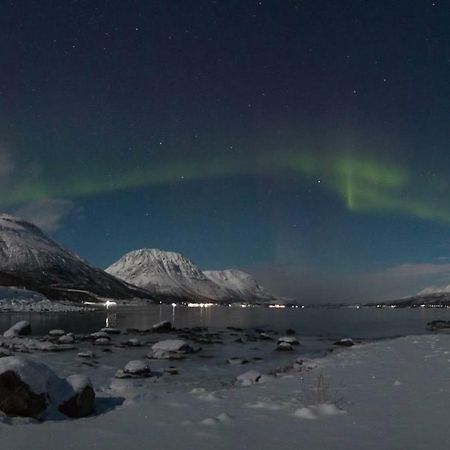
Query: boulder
[[88, 354], [284, 347], [4, 353], [22, 328], [17, 398], [289, 339], [102, 341], [170, 349], [82, 401], [135, 369], [56, 333], [249, 378], [29, 389], [265, 337], [162, 327], [99, 334], [235, 361], [66, 339], [439, 325], [133, 342], [110, 330], [345, 342]]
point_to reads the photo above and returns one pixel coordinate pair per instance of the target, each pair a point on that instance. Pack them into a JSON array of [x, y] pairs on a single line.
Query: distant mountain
[[30, 259], [430, 296], [172, 274]]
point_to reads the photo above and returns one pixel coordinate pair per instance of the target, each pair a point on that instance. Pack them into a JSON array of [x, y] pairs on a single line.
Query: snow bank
[[381, 396]]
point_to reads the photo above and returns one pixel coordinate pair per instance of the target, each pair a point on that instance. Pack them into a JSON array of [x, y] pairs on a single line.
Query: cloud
[[48, 214], [418, 270], [313, 286]]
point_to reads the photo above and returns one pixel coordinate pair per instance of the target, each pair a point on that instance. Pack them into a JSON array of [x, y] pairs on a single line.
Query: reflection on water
[[111, 319], [369, 323]]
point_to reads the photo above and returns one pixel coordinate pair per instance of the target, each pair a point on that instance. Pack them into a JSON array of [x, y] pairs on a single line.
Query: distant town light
[[109, 303]]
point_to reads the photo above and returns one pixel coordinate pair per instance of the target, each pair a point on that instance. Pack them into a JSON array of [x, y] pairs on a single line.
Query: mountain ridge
[[174, 274], [29, 258]]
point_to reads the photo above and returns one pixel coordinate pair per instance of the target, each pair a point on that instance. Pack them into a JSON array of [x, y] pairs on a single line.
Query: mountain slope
[[239, 285], [28, 258], [172, 274]]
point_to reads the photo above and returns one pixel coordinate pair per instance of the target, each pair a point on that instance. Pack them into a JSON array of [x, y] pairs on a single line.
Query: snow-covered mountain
[[239, 284], [172, 274], [437, 296], [28, 258], [165, 273]]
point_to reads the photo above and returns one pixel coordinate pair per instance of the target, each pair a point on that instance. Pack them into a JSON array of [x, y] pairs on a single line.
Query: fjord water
[[370, 323]]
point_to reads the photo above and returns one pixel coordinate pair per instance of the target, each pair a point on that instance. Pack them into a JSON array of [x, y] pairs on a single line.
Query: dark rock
[[290, 332], [284, 347], [346, 342], [17, 399], [22, 328], [82, 403], [162, 327], [110, 330], [132, 331], [265, 337], [437, 325]]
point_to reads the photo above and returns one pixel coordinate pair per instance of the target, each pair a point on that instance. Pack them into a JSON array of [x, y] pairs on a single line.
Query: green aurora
[[364, 184]]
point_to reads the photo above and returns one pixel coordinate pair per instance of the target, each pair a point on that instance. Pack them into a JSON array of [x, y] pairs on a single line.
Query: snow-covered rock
[[29, 388], [102, 341], [292, 340], [99, 334], [134, 369], [170, 349], [235, 361], [133, 342], [56, 333], [160, 327], [81, 402], [66, 339], [284, 347], [21, 328], [248, 378], [27, 345], [86, 354], [110, 330]]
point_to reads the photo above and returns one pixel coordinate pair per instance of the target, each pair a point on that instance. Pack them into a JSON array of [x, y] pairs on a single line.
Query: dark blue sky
[[304, 141]]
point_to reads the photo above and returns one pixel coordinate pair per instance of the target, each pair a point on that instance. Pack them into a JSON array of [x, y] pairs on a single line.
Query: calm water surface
[[363, 323]]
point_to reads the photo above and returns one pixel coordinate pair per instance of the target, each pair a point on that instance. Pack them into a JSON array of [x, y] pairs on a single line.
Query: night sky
[[304, 141]]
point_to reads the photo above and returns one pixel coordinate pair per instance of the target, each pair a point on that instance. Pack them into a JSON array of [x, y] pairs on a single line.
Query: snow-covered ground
[[13, 299], [392, 394]]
